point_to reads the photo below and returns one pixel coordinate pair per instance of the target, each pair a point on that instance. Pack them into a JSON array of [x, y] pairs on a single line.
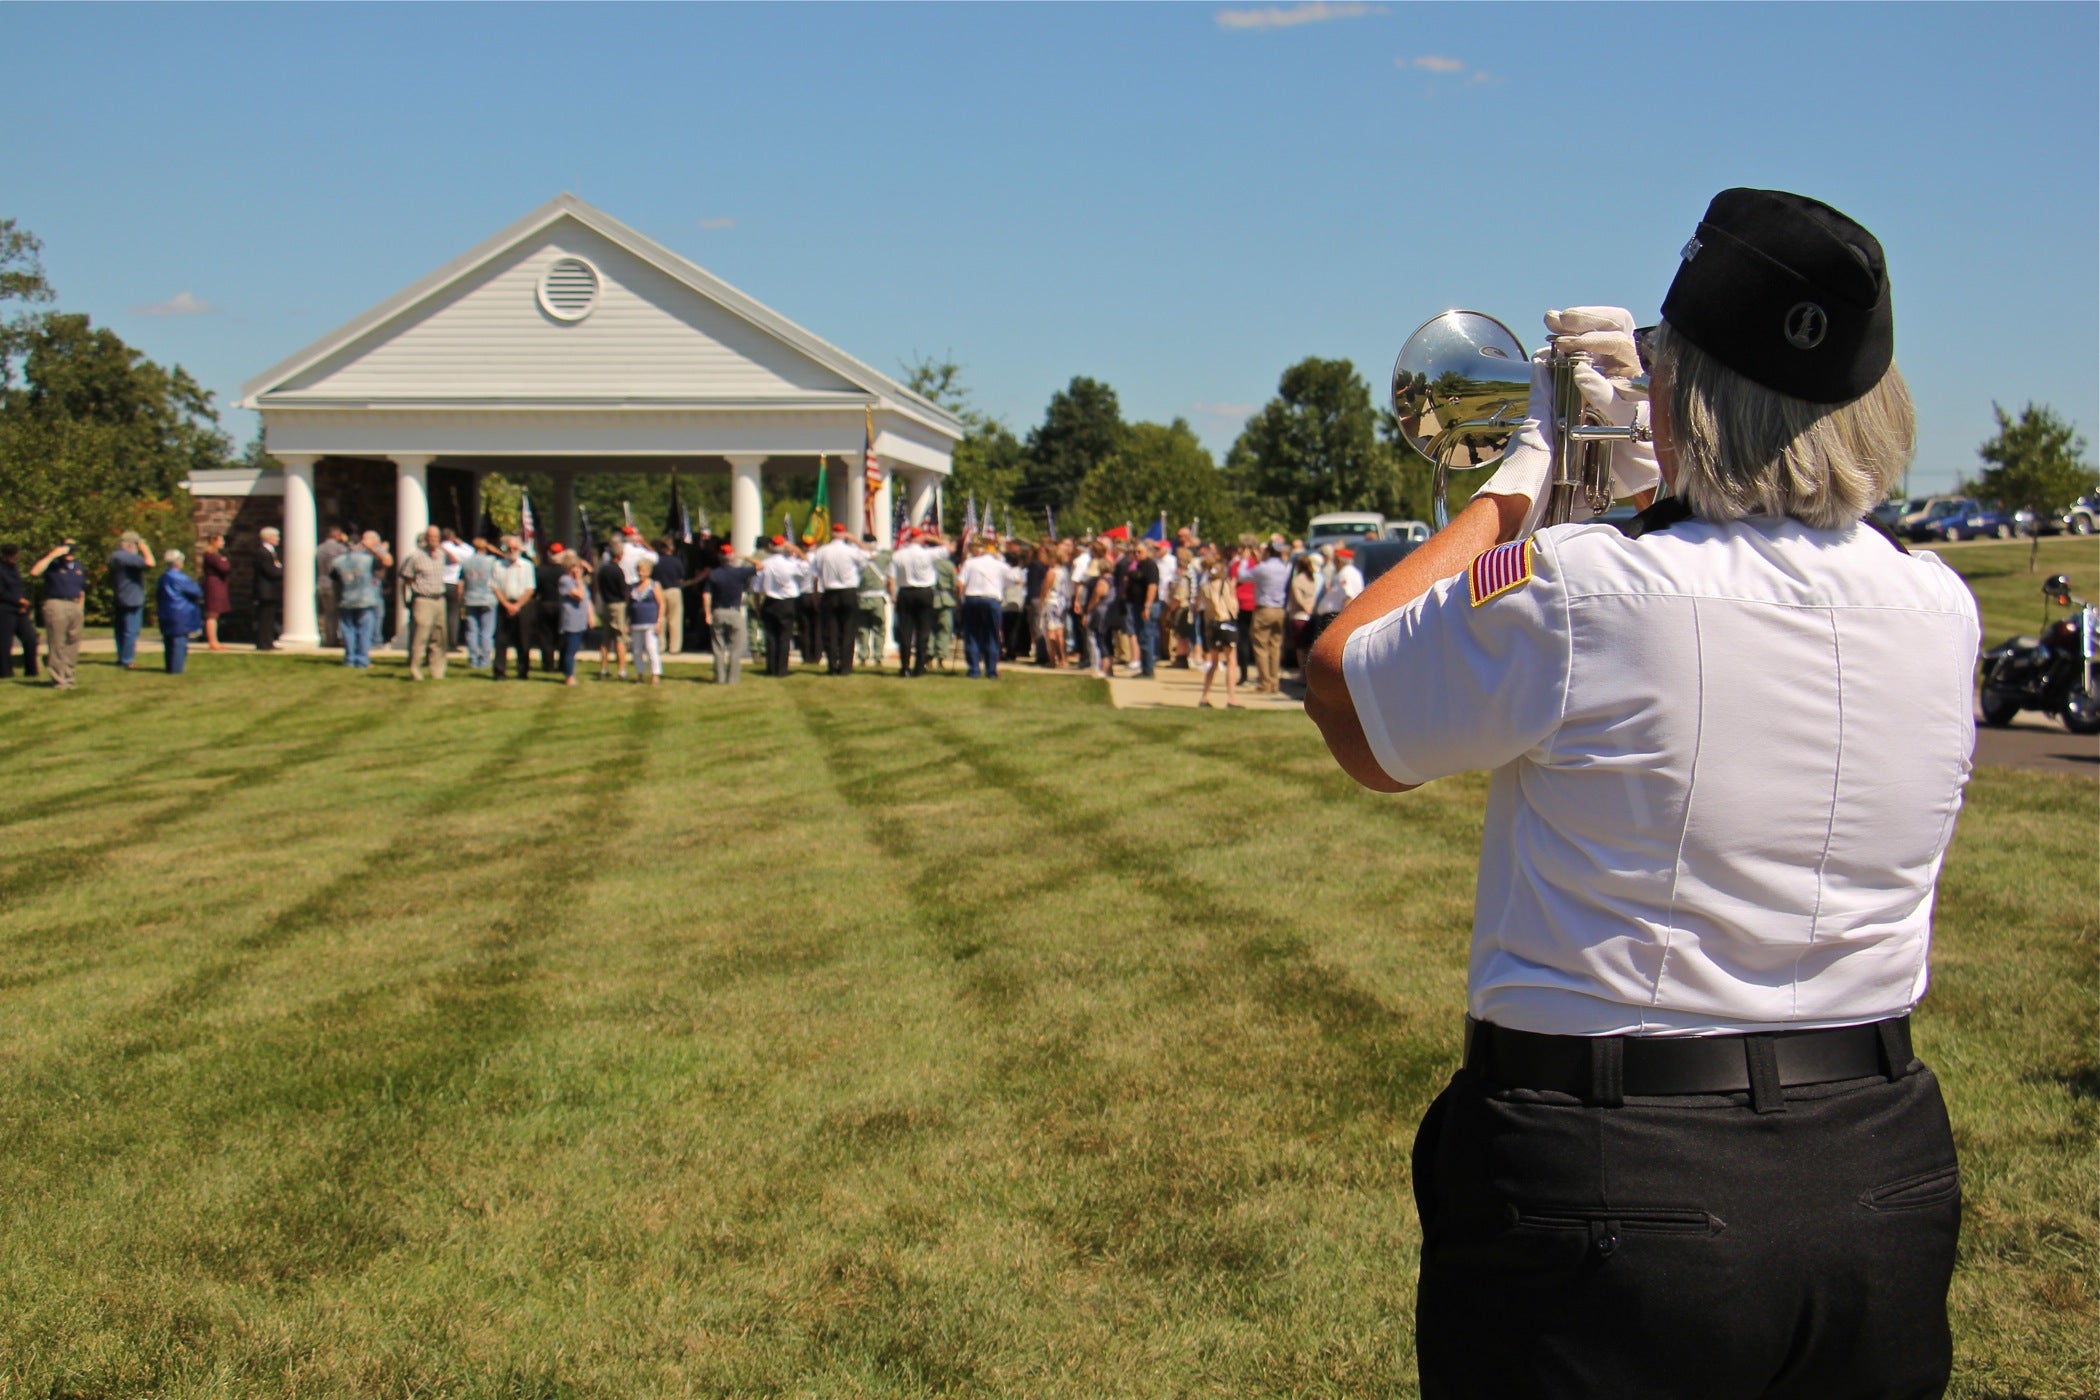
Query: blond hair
[[1743, 449]]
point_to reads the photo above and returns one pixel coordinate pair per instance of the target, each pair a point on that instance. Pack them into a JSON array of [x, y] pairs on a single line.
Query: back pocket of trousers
[[1934, 1188]]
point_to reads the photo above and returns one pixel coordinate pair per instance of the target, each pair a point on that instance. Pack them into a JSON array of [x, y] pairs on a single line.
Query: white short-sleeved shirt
[[631, 557], [1342, 589], [837, 566], [780, 576], [986, 576], [912, 567], [1727, 761]]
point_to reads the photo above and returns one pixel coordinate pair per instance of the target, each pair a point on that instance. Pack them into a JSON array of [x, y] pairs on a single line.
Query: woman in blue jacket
[[180, 602]]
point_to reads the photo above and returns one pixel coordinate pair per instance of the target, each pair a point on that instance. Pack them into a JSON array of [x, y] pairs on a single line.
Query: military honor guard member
[[1690, 1150]]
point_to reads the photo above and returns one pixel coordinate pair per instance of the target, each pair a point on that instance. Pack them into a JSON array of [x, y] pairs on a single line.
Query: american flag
[[1502, 568], [969, 521], [873, 466], [526, 531]]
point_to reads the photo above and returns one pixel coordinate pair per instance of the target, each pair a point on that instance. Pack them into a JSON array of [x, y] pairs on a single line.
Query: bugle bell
[[1461, 393]]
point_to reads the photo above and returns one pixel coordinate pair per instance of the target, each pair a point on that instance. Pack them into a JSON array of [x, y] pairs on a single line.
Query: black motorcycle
[[2052, 673]]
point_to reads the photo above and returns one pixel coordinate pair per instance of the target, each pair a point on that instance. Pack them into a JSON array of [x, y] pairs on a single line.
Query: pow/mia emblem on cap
[[1496, 572], [1806, 325]]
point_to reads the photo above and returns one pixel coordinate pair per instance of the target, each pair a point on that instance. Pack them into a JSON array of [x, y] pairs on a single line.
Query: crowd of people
[[1244, 609]]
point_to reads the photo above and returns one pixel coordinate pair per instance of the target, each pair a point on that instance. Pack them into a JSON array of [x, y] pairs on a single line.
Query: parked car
[[1350, 527], [1925, 522], [1981, 521], [1892, 510], [2031, 522], [2083, 516], [1414, 531]]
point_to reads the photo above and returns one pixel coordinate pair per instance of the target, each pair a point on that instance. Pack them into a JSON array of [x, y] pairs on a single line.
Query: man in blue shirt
[[65, 585], [127, 577], [1272, 588]]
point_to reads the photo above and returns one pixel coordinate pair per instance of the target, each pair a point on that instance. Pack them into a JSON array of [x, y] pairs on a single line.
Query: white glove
[[1528, 465], [1605, 333]]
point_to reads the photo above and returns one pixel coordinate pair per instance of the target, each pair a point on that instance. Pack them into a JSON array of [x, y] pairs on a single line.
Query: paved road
[[2033, 741]]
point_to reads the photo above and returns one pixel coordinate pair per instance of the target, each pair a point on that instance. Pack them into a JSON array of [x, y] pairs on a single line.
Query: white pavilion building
[[569, 343]]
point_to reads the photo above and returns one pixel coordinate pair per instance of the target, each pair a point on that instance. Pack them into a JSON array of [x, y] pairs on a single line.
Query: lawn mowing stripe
[[1273, 954], [73, 799], [327, 1208]]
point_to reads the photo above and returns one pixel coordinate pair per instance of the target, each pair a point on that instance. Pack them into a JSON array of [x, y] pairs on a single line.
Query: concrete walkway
[[1171, 687]]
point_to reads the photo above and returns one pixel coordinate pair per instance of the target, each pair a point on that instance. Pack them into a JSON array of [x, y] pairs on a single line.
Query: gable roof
[[882, 391]]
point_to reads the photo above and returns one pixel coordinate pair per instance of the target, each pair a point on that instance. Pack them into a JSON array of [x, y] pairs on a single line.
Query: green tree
[[2037, 462], [1158, 469], [1314, 448], [989, 462], [21, 280], [95, 439], [939, 382], [1082, 426]]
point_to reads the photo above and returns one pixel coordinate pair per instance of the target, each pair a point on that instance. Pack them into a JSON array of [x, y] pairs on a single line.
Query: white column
[[856, 484], [747, 501], [302, 530], [919, 504], [565, 509], [411, 519], [884, 505]]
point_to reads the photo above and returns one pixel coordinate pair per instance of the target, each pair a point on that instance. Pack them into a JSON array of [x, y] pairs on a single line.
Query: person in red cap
[[912, 580], [779, 584], [835, 565]]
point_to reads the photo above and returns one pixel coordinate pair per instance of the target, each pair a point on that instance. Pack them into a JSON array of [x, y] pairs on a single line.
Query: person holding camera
[[65, 589]]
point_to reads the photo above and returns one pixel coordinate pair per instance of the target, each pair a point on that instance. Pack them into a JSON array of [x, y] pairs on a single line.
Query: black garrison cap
[[1787, 292]]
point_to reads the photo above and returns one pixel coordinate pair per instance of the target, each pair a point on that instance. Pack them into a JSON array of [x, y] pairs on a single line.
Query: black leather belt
[[1604, 1069]]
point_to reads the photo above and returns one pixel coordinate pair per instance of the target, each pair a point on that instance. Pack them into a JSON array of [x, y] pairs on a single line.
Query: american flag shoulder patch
[[1502, 568]]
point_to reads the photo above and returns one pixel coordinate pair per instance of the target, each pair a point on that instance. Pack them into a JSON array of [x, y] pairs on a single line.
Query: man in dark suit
[[547, 577], [269, 591]]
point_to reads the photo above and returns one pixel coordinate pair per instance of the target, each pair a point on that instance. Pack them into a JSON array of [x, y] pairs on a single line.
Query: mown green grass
[[2007, 579], [814, 1038]]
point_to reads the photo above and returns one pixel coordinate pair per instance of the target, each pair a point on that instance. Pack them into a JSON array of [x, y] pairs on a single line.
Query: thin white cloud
[[1482, 79], [1290, 16], [721, 223], [1224, 410], [1434, 63], [181, 304]]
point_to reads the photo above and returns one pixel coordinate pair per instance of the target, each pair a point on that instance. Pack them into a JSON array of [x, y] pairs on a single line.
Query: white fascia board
[[525, 403], [609, 432], [234, 481]]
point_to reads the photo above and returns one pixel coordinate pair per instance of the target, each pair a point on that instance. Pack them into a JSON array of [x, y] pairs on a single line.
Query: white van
[[1350, 527]]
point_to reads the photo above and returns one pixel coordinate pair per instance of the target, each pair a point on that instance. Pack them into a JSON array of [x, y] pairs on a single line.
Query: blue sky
[[1179, 200]]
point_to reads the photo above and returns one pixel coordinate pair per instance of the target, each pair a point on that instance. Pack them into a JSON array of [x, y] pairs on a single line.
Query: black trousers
[[516, 632], [914, 628], [808, 631], [841, 618], [780, 618], [1687, 1245], [269, 621], [19, 627], [546, 633]]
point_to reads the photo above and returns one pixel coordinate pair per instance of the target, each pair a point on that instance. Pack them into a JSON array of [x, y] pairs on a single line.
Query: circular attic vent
[[569, 289]]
